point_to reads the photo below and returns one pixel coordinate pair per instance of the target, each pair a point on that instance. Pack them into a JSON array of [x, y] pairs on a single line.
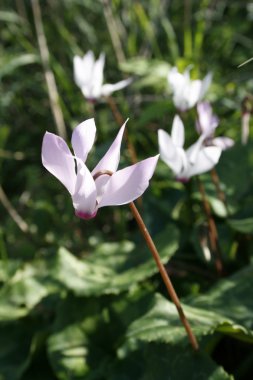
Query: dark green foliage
[[83, 300]]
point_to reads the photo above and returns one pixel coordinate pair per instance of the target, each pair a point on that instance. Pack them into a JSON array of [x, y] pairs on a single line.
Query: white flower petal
[[175, 79], [84, 197], [83, 68], [58, 160], [192, 93], [110, 161], [171, 155], [207, 158], [193, 150], [205, 85], [207, 122], [83, 138], [98, 76], [187, 93], [177, 132], [223, 142], [108, 89], [128, 184]]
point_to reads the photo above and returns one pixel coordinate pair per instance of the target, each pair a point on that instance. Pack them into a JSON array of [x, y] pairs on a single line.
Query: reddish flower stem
[[162, 270], [213, 234], [216, 181], [165, 276]]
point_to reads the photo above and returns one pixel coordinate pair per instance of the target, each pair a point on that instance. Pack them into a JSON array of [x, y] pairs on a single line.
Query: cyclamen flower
[[197, 159], [207, 123], [186, 92], [105, 185], [89, 75]]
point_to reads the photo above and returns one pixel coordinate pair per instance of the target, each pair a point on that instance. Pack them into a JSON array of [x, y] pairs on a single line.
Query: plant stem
[[213, 235], [13, 212], [187, 29], [216, 182], [220, 193], [48, 73], [113, 30], [165, 276]]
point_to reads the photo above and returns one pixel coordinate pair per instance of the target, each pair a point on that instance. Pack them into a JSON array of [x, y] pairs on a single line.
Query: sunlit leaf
[[112, 267]]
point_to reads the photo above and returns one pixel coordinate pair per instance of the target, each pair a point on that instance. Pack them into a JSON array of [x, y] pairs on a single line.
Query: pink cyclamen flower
[[207, 123], [186, 92], [105, 185], [197, 159], [89, 76]]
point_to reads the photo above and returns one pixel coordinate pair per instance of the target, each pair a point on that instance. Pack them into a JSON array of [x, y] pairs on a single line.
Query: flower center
[[102, 172]]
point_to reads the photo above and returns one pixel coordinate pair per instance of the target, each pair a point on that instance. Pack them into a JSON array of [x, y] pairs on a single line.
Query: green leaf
[[231, 298], [161, 323], [112, 267], [226, 308], [15, 349], [24, 291], [8, 16], [244, 226], [81, 341], [86, 341], [154, 72], [7, 66], [163, 362]]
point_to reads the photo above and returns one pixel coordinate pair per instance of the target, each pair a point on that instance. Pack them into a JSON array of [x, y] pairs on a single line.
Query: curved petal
[[175, 79], [178, 81], [87, 92], [83, 68], [193, 151], [58, 160], [79, 77], [110, 161], [223, 142], [180, 102], [205, 85], [192, 92], [207, 122], [84, 197], [130, 183], [83, 138], [169, 153], [204, 112], [108, 89], [98, 76], [207, 158], [177, 132], [101, 185]]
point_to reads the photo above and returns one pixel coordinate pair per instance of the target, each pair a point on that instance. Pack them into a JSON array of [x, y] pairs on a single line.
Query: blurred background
[[66, 282]]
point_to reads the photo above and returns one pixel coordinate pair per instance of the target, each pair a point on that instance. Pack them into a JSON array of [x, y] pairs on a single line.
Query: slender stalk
[[21, 9], [159, 264], [120, 121], [245, 127], [48, 73], [213, 234], [91, 108], [187, 29], [165, 276], [13, 212], [113, 30], [216, 182], [246, 110]]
